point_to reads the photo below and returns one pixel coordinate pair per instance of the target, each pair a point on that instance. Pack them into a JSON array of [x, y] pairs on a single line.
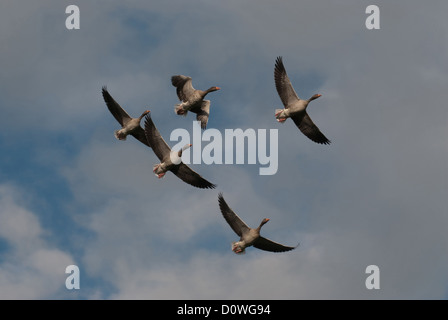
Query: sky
[[72, 194]]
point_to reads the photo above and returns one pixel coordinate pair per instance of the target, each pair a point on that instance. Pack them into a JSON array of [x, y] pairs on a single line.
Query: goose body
[[295, 108], [129, 125], [171, 160], [174, 158], [248, 236], [192, 99]]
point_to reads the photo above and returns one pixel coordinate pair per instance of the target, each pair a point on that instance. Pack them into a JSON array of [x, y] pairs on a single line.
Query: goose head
[[314, 97], [176, 156], [144, 114], [211, 89], [185, 147], [263, 222]]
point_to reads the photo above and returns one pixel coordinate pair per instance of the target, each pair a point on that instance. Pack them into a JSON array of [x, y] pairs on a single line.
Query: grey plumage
[[248, 236], [128, 124], [192, 99], [163, 152], [295, 108]]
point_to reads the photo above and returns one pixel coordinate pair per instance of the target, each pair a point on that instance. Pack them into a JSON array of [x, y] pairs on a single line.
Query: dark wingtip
[[222, 203], [212, 186], [209, 186], [206, 185], [279, 68], [106, 94], [221, 200], [173, 80], [279, 61], [293, 248], [147, 119], [176, 80]]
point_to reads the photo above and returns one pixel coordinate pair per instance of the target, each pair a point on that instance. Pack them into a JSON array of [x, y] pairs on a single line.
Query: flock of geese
[[192, 100]]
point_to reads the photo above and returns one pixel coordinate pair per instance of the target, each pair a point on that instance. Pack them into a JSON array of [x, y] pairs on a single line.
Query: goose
[[192, 99], [248, 236], [171, 160], [295, 108], [130, 126]]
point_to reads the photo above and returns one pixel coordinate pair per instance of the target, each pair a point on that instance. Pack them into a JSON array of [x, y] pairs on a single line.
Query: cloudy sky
[[70, 193]]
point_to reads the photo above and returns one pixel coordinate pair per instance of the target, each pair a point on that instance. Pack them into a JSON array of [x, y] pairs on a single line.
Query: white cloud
[[31, 268]]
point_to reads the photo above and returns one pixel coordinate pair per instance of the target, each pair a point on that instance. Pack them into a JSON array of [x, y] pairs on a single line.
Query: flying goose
[[129, 125], [171, 160], [192, 99], [295, 108], [248, 236]]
